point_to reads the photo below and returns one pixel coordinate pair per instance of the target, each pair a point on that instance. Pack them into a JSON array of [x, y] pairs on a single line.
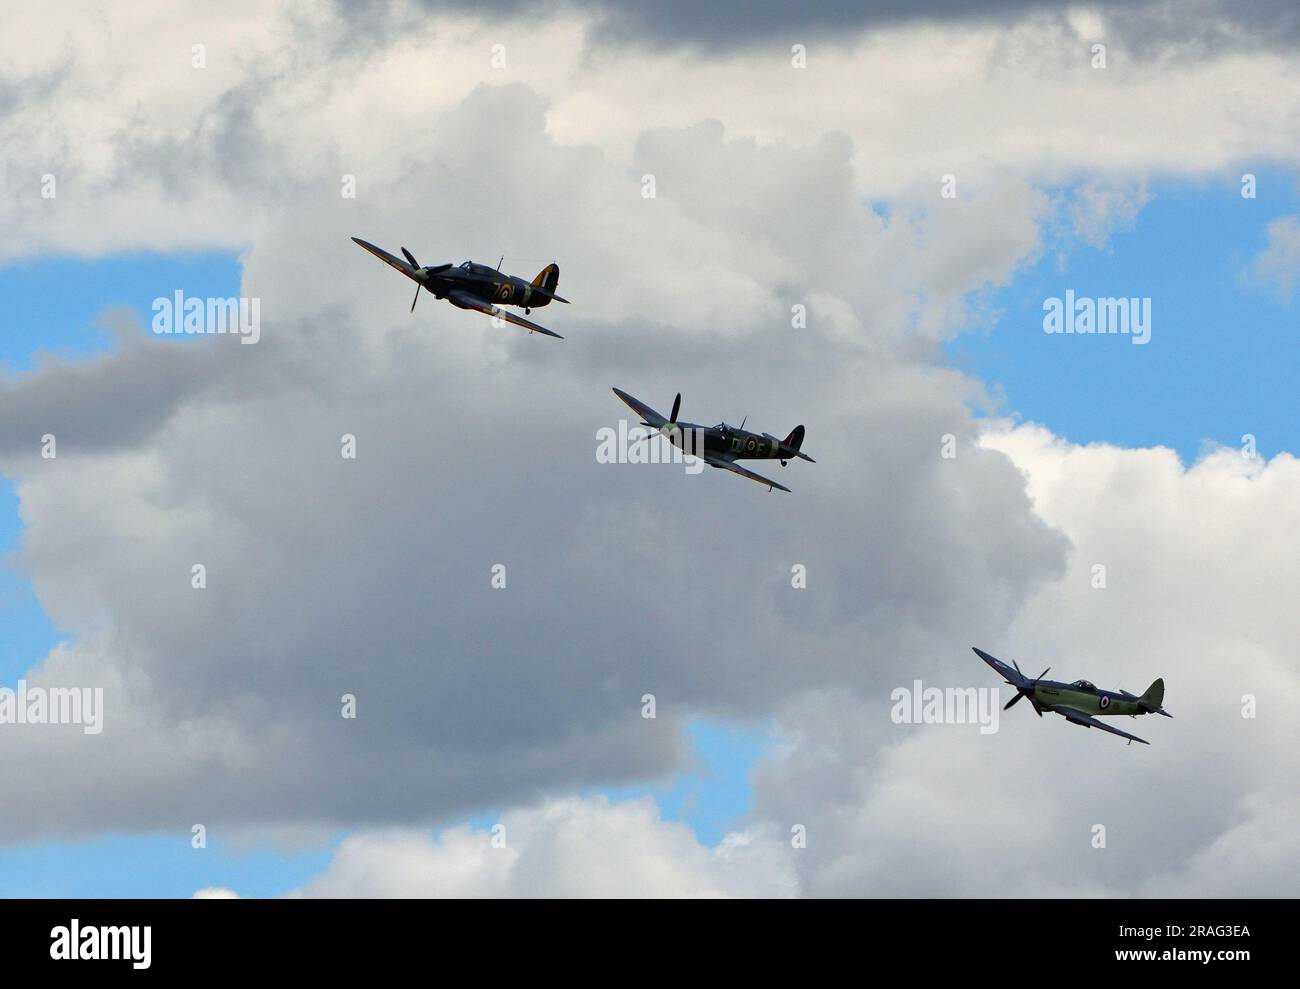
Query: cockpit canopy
[[1084, 684]]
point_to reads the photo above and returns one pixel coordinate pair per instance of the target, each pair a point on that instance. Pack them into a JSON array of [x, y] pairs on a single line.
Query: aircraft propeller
[[414, 264], [1027, 690], [432, 269], [665, 428]]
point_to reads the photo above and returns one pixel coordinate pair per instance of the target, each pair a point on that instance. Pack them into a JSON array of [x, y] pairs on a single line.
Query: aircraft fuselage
[[738, 444], [1049, 694], [496, 289]]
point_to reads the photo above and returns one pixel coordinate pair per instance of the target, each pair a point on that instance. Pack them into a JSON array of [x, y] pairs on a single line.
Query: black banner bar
[[169, 938]]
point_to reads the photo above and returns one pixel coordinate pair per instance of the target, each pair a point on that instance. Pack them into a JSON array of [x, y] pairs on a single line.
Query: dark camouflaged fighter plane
[[721, 445], [477, 286], [1080, 702]]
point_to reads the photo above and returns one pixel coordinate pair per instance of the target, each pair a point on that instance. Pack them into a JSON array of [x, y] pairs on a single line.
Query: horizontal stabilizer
[[545, 284], [794, 441]]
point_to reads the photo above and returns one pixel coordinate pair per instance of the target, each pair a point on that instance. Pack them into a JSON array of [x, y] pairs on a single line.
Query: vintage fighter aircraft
[[721, 445], [477, 286], [1080, 702]]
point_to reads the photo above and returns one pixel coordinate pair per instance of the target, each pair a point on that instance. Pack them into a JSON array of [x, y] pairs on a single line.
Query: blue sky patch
[[1223, 357]]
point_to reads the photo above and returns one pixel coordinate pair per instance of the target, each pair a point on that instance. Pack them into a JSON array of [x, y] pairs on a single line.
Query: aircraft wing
[[1079, 718], [467, 301], [388, 259], [735, 468], [641, 409], [1008, 672]]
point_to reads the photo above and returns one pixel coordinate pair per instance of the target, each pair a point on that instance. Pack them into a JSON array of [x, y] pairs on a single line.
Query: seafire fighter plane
[[721, 445], [476, 286], [1079, 702]]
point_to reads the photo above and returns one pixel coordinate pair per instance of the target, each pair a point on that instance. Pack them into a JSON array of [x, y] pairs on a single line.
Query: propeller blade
[[1043, 674], [417, 297], [1007, 705], [677, 404], [411, 257], [1017, 666]]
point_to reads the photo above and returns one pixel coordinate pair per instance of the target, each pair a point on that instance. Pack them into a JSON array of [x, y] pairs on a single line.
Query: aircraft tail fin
[[794, 441], [1153, 698], [547, 279]]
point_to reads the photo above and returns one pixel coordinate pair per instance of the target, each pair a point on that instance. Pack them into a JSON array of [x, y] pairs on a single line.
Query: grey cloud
[[1147, 26], [36, 88], [477, 446], [116, 402]]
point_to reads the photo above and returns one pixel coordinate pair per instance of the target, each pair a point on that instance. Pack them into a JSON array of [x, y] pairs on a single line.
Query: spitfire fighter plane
[[477, 286], [721, 445], [1080, 702]]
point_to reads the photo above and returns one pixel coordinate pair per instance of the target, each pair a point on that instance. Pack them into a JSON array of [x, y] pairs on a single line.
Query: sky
[[1215, 328], [918, 182]]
